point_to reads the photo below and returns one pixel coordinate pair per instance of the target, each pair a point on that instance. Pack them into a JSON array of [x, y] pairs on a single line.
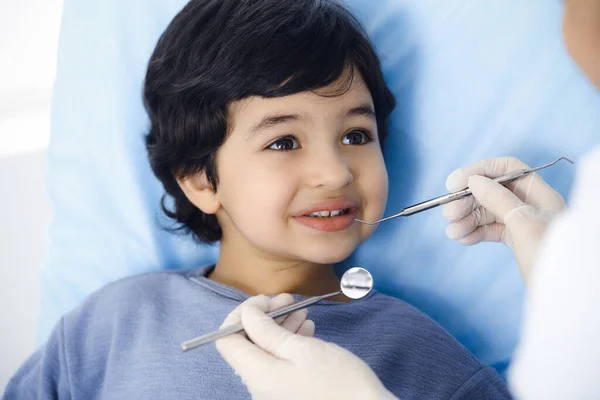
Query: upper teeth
[[333, 213]]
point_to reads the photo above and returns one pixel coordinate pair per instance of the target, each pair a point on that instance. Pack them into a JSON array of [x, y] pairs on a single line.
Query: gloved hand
[[516, 215], [278, 364]]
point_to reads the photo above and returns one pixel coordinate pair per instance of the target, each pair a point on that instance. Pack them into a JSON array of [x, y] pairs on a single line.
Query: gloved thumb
[[520, 219], [496, 198]]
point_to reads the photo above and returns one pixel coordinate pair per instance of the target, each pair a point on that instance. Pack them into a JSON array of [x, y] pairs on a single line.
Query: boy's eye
[[284, 144], [356, 137]]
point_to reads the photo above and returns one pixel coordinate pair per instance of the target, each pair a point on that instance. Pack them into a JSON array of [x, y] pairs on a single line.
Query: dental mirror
[[355, 284]]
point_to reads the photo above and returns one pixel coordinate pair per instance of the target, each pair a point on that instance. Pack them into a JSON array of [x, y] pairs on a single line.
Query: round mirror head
[[356, 283]]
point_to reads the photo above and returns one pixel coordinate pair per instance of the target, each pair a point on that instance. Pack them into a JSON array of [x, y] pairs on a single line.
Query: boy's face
[[285, 159]]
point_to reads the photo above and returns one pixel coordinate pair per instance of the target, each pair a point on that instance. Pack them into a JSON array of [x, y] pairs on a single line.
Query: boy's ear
[[199, 191]]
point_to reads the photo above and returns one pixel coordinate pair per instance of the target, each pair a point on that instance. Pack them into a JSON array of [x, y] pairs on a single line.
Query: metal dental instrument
[[447, 198], [356, 283]]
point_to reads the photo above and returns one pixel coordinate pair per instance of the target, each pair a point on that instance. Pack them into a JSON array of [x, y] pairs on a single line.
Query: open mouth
[[328, 214], [329, 220]]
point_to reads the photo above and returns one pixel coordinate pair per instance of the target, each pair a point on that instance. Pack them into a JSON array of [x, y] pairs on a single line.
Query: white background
[[28, 44]]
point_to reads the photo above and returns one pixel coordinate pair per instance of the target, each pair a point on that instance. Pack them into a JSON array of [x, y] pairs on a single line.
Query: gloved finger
[[534, 190], [294, 321], [495, 232], [234, 317], [307, 328], [494, 197], [244, 356], [459, 209], [266, 334], [279, 301], [461, 228], [491, 168]]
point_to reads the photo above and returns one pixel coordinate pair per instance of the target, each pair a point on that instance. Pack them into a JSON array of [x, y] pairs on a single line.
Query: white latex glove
[[516, 214], [277, 364]]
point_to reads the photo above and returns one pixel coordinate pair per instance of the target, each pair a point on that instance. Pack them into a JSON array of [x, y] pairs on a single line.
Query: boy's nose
[[329, 169]]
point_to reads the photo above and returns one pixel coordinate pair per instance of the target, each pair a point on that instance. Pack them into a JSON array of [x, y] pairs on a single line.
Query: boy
[[268, 119]]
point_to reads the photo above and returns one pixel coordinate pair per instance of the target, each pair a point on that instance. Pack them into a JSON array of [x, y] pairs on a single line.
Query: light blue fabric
[[473, 79], [123, 343]]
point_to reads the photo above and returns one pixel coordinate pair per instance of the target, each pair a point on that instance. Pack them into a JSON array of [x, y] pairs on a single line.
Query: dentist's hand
[[278, 363], [516, 215]]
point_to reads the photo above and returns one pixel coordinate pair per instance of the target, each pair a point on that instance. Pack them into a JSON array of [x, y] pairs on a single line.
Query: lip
[[329, 224]]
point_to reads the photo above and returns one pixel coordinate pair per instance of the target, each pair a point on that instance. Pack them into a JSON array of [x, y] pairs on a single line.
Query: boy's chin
[[329, 256], [334, 251]]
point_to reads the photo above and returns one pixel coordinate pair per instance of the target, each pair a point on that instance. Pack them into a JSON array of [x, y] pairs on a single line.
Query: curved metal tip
[[400, 214], [365, 222], [563, 158], [552, 163]]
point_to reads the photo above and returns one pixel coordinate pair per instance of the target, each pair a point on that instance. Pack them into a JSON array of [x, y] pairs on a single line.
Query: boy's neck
[[274, 277]]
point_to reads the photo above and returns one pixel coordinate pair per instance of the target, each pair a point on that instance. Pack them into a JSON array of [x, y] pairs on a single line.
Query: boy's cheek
[[376, 192], [379, 188]]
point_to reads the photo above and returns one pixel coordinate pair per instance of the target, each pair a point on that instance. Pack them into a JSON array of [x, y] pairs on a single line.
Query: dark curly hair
[[215, 52]]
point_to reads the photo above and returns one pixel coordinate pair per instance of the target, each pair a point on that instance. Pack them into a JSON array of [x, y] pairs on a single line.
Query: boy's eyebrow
[[271, 120], [364, 109]]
